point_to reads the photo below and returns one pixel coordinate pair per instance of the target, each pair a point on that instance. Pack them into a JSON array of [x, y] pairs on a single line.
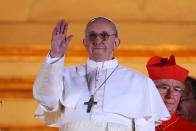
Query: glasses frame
[[101, 36], [163, 89]]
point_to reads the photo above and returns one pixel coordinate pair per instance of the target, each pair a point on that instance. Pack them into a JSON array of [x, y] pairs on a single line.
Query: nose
[[169, 94], [98, 40]]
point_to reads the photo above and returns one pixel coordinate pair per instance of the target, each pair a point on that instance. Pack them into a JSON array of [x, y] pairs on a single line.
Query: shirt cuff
[[50, 60]]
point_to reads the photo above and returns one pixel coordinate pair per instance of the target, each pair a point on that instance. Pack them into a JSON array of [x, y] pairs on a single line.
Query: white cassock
[[127, 101]]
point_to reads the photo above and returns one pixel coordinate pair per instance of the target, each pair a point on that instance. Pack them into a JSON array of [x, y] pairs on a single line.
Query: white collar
[[92, 65]]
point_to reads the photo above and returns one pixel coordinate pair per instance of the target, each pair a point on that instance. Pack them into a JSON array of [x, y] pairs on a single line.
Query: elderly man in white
[[100, 95]]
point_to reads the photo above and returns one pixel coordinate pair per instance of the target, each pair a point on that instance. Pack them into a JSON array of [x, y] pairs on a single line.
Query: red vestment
[[176, 123]]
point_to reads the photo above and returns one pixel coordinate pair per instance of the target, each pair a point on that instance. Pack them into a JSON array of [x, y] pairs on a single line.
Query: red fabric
[[162, 68], [179, 124]]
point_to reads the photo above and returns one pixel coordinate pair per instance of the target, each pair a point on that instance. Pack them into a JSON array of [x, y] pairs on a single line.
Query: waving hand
[[60, 40]]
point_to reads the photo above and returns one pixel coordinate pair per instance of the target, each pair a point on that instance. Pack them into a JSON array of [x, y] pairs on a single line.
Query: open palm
[[60, 41]]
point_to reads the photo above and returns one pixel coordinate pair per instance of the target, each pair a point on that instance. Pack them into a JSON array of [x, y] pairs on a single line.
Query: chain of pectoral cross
[[91, 101]]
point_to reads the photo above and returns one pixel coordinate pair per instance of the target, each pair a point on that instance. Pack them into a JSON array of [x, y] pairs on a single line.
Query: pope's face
[[170, 91], [101, 49], [187, 107]]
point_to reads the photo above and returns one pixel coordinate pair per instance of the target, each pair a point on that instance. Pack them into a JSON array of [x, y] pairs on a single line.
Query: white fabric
[[123, 87], [94, 126]]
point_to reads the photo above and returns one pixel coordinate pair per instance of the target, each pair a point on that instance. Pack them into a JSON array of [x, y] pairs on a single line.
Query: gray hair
[[104, 18]]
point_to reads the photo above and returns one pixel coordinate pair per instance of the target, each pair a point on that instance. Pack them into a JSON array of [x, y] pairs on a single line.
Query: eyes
[[165, 89], [104, 36]]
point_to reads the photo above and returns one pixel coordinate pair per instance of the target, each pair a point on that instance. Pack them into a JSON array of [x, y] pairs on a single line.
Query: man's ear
[[84, 42], [116, 43]]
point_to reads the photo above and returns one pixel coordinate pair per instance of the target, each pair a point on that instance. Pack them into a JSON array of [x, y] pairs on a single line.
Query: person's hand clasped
[[60, 40]]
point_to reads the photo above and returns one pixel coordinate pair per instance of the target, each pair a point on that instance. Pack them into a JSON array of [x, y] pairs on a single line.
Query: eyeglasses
[[164, 89], [104, 36]]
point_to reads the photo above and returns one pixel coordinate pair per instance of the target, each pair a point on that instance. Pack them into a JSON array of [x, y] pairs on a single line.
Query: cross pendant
[[90, 103]]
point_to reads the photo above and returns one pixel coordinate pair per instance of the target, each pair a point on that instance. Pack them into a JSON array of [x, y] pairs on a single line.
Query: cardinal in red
[[169, 79]]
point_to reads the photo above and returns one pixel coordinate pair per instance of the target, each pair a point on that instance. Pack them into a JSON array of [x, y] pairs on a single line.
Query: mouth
[[95, 48], [169, 102]]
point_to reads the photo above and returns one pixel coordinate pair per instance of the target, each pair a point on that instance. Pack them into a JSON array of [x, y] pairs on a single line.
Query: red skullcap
[[162, 68]]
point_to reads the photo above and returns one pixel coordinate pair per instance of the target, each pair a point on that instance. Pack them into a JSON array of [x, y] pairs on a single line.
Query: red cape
[[176, 123]]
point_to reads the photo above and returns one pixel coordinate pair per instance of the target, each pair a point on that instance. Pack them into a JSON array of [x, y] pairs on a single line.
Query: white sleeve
[[48, 85], [51, 60]]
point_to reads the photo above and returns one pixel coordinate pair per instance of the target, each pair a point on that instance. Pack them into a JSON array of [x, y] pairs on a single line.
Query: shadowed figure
[[187, 107]]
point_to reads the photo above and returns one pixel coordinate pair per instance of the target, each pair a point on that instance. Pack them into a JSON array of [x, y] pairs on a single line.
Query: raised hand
[[60, 40]]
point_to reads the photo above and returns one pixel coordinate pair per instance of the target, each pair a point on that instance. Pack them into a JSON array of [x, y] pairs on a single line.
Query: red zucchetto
[[162, 68]]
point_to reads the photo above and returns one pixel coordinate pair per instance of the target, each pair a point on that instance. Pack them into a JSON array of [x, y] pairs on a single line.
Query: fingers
[[54, 31], [64, 27], [60, 28], [67, 41], [69, 38], [57, 29]]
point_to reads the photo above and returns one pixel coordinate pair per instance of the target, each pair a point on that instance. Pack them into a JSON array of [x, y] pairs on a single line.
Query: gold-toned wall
[[147, 28]]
